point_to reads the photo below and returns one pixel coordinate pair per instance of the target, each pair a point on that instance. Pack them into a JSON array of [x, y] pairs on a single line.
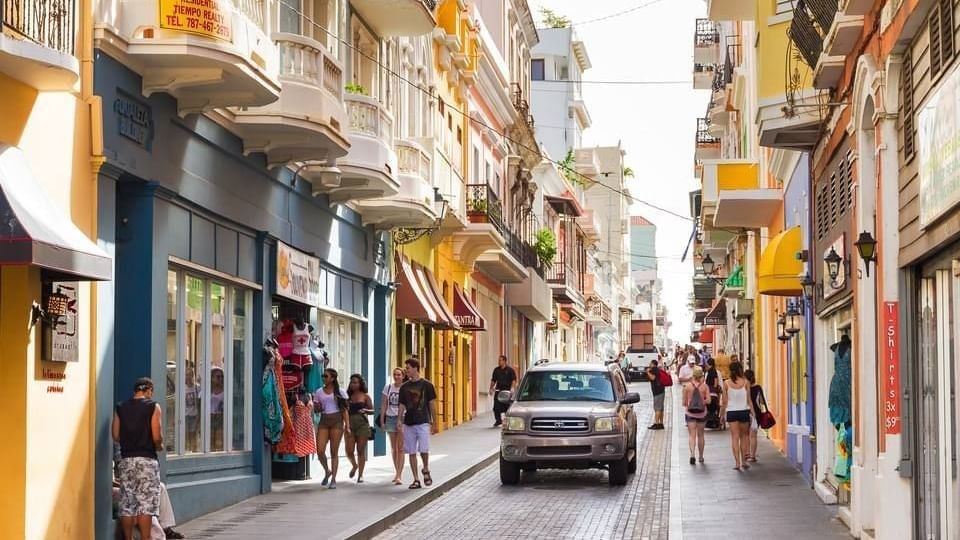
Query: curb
[[369, 531]]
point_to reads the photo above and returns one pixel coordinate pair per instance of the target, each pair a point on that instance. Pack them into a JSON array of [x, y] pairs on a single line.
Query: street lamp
[[867, 246], [808, 284], [794, 320], [782, 334], [834, 262], [707, 265]]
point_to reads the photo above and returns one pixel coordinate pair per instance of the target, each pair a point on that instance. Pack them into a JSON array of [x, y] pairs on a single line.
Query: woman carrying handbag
[[762, 417]]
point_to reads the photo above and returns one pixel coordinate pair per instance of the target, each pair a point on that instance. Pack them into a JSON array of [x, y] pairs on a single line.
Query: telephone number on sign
[[208, 26]]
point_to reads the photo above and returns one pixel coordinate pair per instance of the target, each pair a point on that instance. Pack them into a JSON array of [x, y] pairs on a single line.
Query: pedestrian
[[504, 378], [389, 412], [696, 395], [653, 373], [685, 374], [714, 383], [359, 406], [137, 429], [331, 402], [418, 413], [736, 407], [758, 402]]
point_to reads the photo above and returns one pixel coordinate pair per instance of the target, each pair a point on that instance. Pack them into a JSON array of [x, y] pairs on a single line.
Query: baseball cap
[[691, 360]]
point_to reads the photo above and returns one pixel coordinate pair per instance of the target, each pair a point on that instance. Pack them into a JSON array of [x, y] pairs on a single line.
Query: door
[[928, 444]]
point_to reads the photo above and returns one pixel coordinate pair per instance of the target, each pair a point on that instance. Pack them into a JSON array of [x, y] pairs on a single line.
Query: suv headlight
[[514, 423], [605, 424]]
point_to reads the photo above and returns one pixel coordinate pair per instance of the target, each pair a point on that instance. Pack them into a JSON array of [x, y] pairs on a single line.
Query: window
[[566, 386], [537, 70], [940, 28], [906, 85], [343, 341], [289, 19], [209, 363]]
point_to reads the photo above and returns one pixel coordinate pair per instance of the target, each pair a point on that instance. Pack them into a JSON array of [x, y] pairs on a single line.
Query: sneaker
[[497, 424], [693, 460], [654, 426], [333, 485]]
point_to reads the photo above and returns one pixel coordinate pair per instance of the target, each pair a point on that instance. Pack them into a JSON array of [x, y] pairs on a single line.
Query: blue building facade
[[202, 236], [801, 448]]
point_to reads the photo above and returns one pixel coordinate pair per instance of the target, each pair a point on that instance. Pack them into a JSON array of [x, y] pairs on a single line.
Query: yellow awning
[[780, 269]]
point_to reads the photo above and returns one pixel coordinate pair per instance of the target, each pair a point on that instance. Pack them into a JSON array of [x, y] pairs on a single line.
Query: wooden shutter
[[946, 32], [906, 86], [933, 26]]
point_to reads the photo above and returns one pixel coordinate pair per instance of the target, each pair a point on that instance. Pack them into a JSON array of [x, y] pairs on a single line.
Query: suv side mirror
[[630, 398], [506, 397]]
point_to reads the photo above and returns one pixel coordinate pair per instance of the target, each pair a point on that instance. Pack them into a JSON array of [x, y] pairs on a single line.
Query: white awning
[[35, 231]]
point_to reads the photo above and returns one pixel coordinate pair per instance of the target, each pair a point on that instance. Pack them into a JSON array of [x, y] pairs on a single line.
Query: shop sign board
[[891, 368], [62, 340], [939, 148], [298, 275], [210, 18]]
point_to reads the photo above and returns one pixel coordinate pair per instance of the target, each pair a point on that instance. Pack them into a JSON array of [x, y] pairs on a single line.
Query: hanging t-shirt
[[416, 397], [391, 393], [301, 340]]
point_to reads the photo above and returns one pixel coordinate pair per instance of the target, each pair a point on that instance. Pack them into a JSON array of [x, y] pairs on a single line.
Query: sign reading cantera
[[939, 145], [211, 18]]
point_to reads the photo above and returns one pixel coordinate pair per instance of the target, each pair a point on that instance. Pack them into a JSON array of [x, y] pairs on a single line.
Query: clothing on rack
[[270, 392], [306, 438]]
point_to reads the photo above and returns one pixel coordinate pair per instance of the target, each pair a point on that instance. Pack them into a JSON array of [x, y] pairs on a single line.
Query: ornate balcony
[[565, 281], [706, 42], [306, 124], [599, 313], [369, 170], [37, 40], [708, 145], [484, 242], [398, 17], [414, 205], [218, 57]]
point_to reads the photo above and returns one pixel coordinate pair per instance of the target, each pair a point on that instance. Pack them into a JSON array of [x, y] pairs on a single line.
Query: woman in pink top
[[696, 395]]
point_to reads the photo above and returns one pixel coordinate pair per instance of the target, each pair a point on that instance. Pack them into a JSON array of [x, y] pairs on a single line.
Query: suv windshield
[[566, 386]]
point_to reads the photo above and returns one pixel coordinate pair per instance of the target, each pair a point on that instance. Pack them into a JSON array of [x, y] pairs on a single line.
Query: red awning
[[706, 335], [445, 319], [412, 301], [466, 313]]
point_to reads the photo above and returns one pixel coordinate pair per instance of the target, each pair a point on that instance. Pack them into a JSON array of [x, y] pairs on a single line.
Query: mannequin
[[839, 403]]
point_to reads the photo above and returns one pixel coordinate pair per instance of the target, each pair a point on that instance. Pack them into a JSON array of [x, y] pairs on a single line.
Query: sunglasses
[[325, 376]]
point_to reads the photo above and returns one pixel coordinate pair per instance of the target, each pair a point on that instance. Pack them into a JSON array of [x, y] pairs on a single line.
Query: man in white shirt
[[686, 371]]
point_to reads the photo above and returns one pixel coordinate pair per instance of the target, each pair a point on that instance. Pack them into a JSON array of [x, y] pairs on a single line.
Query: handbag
[[766, 419]]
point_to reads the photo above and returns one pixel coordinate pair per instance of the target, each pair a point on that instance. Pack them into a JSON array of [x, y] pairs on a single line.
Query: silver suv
[[570, 416]]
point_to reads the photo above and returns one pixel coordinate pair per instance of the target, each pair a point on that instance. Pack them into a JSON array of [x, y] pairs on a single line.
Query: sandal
[[397, 482], [427, 481], [415, 485]]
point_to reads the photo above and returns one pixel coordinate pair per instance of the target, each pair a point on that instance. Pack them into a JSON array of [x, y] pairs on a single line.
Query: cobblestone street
[[557, 503]]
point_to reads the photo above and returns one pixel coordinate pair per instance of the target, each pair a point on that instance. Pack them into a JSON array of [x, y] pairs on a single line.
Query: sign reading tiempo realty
[[211, 18]]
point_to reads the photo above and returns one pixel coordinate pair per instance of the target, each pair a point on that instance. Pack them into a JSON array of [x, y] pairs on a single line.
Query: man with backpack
[[659, 380]]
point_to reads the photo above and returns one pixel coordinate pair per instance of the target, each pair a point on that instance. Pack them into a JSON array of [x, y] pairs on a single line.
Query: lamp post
[[808, 284], [782, 334], [867, 247], [794, 320], [707, 265]]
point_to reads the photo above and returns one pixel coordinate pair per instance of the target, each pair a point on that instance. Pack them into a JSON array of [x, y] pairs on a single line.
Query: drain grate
[[231, 522]]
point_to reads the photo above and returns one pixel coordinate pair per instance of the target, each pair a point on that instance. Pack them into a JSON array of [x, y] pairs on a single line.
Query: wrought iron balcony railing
[[484, 206], [703, 133], [51, 23], [707, 33], [804, 35]]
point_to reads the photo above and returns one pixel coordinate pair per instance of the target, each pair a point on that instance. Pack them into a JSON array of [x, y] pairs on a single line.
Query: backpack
[[664, 378], [696, 401]]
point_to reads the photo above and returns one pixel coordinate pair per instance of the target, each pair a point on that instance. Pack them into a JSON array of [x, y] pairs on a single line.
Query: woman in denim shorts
[[389, 410]]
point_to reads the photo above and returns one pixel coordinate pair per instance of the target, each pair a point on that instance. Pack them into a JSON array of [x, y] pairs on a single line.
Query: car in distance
[[569, 416]]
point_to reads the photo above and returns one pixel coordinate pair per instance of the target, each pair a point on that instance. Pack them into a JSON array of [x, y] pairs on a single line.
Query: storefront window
[[343, 338], [193, 360], [170, 418], [208, 333]]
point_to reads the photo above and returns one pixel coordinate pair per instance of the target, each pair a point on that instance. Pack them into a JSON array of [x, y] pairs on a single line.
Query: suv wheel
[[617, 472], [509, 472]]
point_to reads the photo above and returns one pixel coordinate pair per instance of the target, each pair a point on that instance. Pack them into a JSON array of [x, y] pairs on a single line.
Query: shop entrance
[[936, 440]]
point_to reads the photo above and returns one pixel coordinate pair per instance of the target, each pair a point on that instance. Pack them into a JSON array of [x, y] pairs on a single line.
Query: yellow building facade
[[49, 200]]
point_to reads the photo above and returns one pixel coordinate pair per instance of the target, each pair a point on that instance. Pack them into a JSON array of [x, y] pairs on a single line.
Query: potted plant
[[477, 209], [546, 246], [355, 88]]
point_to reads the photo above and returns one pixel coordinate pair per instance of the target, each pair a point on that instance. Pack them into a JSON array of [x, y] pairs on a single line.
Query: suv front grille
[[560, 425]]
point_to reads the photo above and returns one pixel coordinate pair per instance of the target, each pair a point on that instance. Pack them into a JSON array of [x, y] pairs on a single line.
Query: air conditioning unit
[[743, 309]]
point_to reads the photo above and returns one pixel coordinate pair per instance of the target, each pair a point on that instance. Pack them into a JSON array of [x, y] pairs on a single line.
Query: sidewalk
[[717, 502], [306, 510]]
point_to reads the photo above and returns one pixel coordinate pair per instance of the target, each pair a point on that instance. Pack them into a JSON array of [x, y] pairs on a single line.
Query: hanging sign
[[298, 275], [891, 368], [61, 341], [211, 18]]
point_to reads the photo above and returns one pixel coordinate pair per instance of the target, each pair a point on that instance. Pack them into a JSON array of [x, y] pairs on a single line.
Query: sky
[[656, 124]]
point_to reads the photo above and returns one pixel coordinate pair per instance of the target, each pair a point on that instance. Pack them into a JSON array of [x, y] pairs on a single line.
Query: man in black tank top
[[137, 429]]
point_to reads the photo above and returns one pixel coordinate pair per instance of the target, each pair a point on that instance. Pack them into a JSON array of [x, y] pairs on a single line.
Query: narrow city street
[[557, 503]]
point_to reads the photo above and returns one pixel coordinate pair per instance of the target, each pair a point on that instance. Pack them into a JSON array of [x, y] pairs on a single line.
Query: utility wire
[[617, 14], [561, 81], [466, 116]]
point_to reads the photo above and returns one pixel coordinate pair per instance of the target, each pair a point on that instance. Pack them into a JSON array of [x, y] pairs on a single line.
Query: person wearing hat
[[686, 370]]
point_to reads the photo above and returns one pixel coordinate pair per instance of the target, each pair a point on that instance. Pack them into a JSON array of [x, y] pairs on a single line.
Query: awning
[[465, 313], [706, 335], [429, 284], [412, 301], [33, 231], [717, 316], [699, 315], [747, 208], [565, 204], [780, 269]]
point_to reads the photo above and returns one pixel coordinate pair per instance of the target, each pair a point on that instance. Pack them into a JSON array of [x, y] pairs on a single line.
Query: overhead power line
[[617, 14], [688, 81], [586, 180]]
